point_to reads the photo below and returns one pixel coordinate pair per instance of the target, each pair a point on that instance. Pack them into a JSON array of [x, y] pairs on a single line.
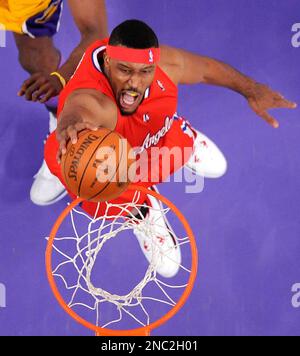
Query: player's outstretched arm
[[189, 68], [84, 109]]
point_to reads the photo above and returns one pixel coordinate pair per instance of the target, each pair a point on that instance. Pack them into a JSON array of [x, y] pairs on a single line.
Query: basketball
[[97, 168]]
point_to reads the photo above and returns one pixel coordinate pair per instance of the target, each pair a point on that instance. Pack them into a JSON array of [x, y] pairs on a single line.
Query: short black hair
[[134, 34]]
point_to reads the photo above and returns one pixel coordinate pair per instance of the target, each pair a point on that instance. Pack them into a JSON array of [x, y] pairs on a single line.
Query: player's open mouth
[[128, 99]]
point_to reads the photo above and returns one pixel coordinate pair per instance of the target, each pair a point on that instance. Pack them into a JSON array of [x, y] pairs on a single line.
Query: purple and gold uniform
[[35, 18]]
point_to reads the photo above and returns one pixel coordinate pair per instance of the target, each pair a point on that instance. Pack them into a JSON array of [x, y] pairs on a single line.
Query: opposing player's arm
[[91, 20], [84, 109], [188, 68]]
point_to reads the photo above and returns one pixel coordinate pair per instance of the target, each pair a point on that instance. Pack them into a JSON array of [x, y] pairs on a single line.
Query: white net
[[113, 285]]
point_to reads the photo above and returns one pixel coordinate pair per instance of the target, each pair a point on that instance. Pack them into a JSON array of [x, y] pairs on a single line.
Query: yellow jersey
[[13, 13]]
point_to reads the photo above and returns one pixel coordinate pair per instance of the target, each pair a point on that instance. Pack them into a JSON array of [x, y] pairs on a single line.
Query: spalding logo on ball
[[100, 166]]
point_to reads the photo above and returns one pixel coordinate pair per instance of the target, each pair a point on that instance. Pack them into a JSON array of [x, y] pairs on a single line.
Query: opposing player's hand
[[40, 87], [262, 99], [68, 128]]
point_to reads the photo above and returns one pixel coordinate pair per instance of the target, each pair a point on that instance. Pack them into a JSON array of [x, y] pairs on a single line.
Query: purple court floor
[[247, 223]]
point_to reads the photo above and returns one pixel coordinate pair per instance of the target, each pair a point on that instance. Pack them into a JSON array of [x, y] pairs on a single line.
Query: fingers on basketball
[[96, 167]]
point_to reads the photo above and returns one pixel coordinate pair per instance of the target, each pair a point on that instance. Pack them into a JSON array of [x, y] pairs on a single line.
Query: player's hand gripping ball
[[100, 166]]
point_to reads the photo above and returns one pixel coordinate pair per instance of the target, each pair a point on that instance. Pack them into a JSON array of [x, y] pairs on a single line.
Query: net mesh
[[83, 266]]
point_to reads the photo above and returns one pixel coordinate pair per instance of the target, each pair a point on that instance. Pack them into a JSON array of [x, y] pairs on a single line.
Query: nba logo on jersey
[[160, 84], [150, 56], [146, 117]]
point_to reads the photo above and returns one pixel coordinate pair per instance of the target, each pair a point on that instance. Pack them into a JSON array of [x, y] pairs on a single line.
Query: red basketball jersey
[[154, 125]]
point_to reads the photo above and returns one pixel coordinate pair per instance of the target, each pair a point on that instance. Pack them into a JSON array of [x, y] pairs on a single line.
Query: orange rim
[[131, 332]]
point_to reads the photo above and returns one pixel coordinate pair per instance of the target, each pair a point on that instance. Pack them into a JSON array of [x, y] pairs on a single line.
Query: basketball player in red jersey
[[129, 84], [38, 22]]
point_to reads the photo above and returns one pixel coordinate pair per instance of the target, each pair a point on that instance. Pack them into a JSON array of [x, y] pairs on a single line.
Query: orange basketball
[[98, 167]]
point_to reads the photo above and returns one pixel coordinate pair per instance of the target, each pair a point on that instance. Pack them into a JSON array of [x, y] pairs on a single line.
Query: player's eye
[[147, 71], [125, 71]]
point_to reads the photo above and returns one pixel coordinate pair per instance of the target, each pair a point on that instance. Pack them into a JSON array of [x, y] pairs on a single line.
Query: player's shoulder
[[89, 67], [98, 45], [171, 62]]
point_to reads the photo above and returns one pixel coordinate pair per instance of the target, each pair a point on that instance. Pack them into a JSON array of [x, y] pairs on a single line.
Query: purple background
[[247, 223]]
